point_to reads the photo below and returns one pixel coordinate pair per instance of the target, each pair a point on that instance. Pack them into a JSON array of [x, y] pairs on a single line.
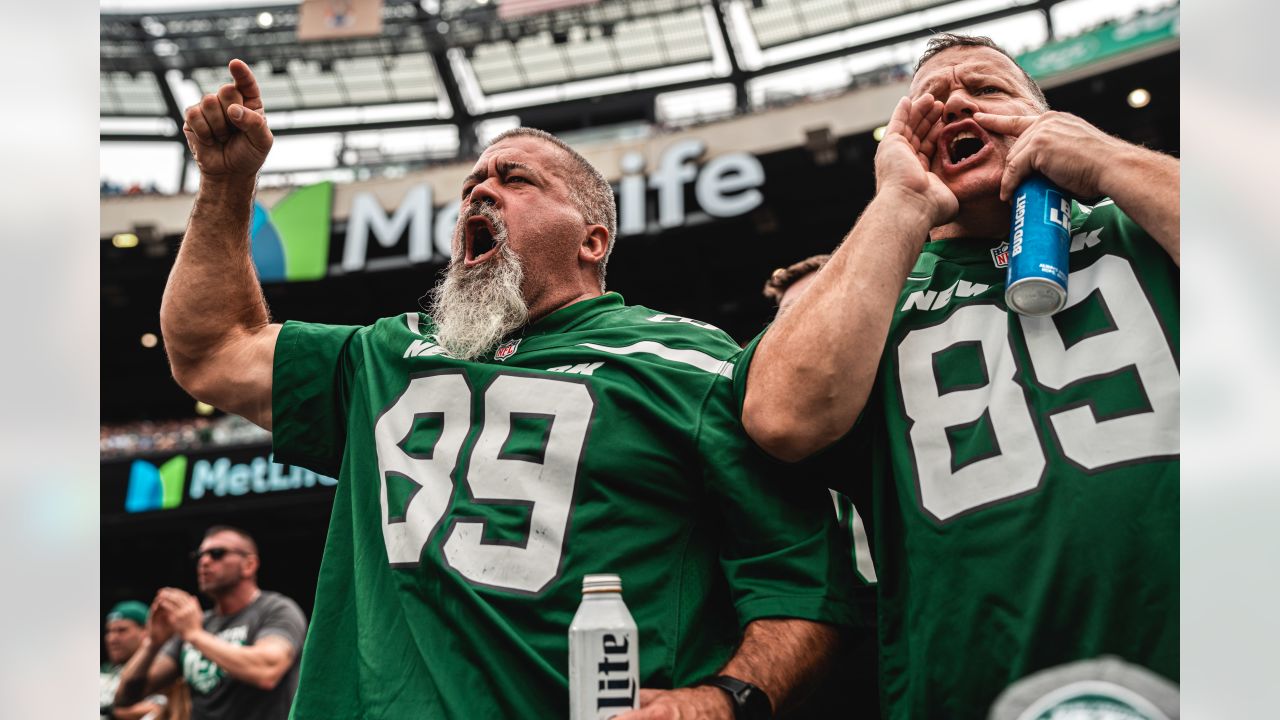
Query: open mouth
[[963, 144], [479, 238], [963, 147]]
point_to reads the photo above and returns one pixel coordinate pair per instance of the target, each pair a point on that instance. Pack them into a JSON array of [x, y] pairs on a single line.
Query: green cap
[[129, 610]]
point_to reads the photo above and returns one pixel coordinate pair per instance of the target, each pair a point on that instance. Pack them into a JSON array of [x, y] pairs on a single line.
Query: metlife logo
[[156, 488], [291, 240], [177, 480]]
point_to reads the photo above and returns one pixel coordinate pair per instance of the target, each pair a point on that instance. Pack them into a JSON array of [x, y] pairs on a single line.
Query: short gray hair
[[946, 41], [589, 190]]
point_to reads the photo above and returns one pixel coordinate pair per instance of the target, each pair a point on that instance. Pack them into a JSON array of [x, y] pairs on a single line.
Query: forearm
[[133, 677], [1146, 186], [257, 665], [136, 711], [801, 396], [213, 292], [783, 657]]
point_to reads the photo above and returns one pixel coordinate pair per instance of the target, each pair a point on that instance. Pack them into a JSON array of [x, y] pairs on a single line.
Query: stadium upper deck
[[451, 73]]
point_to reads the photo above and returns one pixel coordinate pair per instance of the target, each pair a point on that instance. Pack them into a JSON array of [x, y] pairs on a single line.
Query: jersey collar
[[571, 316], [962, 250]]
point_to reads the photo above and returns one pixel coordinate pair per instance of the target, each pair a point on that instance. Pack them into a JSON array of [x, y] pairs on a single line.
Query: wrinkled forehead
[[122, 626], [961, 62], [534, 152]]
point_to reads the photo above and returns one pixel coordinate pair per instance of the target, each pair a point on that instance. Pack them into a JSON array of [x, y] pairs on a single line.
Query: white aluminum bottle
[[604, 653]]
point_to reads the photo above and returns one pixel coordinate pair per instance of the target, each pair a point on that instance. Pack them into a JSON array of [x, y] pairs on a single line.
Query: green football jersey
[[1019, 476], [474, 495]]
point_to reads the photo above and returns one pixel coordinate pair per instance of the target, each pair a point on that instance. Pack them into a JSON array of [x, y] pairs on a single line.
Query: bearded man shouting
[[528, 430]]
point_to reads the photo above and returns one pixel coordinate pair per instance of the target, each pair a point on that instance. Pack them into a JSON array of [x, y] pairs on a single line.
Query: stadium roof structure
[[460, 62]]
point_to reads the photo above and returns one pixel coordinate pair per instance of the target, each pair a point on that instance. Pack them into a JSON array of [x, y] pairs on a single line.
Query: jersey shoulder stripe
[[673, 330], [693, 358]]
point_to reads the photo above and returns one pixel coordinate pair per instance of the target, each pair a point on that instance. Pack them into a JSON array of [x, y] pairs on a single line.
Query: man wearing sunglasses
[[241, 657]]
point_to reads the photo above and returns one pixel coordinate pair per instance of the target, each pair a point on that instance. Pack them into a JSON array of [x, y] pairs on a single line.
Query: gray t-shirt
[[215, 695]]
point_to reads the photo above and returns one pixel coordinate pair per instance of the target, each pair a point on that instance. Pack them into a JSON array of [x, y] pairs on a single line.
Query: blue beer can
[[1039, 241]]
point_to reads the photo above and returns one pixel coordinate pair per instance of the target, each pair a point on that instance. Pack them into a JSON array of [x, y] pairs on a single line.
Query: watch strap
[[749, 702]]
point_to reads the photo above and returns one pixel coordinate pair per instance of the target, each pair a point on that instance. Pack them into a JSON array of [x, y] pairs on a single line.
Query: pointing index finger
[[246, 83], [1005, 124]]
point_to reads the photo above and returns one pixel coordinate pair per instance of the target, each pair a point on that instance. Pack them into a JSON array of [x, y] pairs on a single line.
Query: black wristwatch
[[749, 702]]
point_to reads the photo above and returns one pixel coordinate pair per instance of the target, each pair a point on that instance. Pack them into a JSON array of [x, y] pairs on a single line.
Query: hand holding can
[[1039, 244]]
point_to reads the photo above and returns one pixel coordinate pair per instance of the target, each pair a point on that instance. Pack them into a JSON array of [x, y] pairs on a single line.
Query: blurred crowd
[[107, 188], [158, 436], [176, 660]]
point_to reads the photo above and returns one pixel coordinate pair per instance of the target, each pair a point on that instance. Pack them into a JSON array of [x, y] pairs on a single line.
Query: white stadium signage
[[725, 186]]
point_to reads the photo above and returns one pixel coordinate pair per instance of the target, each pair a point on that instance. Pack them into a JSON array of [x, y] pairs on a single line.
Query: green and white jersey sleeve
[[473, 497], [1019, 476]]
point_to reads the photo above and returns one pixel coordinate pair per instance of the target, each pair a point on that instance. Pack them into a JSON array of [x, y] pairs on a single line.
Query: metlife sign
[[182, 481], [650, 200], [222, 478]]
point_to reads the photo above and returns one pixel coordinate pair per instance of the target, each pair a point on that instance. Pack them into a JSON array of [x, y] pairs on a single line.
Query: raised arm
[[213, 316], [148, 671], [800, 396], [782, 657], [1088, 163]]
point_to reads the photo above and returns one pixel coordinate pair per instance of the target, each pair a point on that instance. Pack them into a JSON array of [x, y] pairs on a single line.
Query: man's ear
[[251, 565], [595, 243]]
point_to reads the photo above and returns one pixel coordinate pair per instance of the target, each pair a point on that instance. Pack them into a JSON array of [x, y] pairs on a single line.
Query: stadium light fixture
[[1139, 98], [878, 133], [266, 19], [152, 26], [149, 340], [203, 408], [125, 240]]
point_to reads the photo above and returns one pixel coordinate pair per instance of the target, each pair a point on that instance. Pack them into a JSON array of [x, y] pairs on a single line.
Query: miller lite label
[[1039, 241], [604, 653]]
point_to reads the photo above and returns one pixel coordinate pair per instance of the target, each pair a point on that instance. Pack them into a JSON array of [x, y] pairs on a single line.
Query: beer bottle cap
[[601, 583]]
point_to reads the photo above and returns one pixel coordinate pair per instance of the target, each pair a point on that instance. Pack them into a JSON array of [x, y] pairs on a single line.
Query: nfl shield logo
[[506, 349], [1000, 255]]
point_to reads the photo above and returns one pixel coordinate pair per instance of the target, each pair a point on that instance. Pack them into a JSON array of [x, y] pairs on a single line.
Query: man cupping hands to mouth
[[995, 128], [1014, 470]]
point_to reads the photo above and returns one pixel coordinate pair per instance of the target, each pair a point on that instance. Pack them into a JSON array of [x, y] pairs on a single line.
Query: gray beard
[[474, 309]]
